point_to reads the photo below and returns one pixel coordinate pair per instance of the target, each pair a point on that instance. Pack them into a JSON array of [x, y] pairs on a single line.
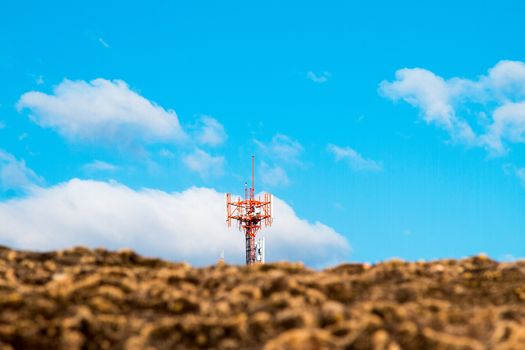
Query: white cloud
[[282, 148], [274, 176], [500, 94], [15, 175], [186, 226], [204, 163], [281, 152], [422, 88], [211, 132], [100, 166], [506, 80], [318, 78], [354, 159], [102, 111], [508, 124], [432, 95], [103, 43], [39, 80]]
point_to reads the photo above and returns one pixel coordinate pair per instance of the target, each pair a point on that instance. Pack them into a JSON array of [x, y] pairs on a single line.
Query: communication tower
[[251, 214]]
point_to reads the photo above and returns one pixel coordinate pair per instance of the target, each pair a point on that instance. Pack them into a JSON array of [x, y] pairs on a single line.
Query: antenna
[[251, 215], [259, 250]]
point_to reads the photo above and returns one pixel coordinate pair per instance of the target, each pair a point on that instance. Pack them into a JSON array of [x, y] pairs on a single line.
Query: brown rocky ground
[[96, 299]]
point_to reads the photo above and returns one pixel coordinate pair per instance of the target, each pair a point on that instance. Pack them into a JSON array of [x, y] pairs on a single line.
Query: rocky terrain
[[97, 299]]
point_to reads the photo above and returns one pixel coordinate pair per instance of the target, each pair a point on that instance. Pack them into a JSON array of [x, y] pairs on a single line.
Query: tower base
[[250, 249]]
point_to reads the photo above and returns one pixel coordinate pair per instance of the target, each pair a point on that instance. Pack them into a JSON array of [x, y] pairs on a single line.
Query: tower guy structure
[[251, 214]]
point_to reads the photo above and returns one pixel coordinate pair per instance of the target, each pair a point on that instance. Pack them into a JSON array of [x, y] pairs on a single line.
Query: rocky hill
[[96, 299]]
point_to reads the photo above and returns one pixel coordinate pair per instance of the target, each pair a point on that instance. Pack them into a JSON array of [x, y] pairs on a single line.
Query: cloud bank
[[182, 226], [460, 106], [102, 111]]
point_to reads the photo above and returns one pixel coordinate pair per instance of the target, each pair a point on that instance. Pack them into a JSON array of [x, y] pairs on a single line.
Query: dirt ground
[[97, 299]]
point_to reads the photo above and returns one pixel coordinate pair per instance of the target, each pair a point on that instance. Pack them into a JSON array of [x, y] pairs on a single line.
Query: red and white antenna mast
[[251, 214]]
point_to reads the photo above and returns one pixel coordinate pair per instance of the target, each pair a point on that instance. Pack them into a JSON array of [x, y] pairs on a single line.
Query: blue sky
[[391, 128]]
